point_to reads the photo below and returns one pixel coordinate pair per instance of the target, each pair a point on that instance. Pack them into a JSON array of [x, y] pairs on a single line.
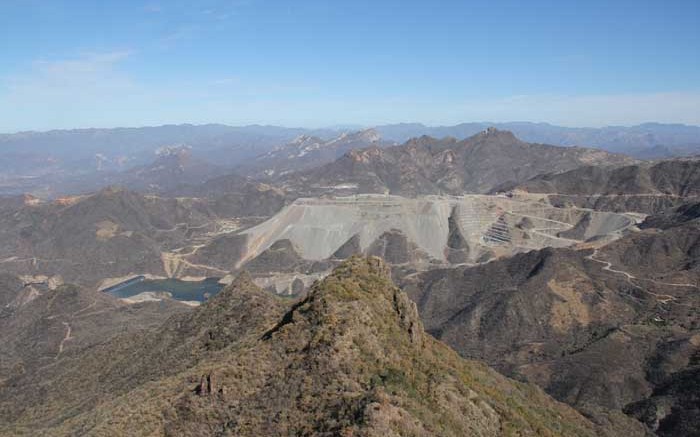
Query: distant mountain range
[[645, 141], [69, 161]]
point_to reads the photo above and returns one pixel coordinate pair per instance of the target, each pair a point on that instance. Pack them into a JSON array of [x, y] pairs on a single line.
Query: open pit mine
[[429, 230]]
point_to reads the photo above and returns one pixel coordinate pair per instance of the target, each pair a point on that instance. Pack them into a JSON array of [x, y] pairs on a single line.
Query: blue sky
[[67, 64]]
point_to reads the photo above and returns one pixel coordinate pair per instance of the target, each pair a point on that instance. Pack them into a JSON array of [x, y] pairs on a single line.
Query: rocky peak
[[363, 136], [370, 135], [491, 134], [365, 268], [111, 190], [365, 155], [352, 359], [431, 143], [358, 294], [423, 140], [304, 139]]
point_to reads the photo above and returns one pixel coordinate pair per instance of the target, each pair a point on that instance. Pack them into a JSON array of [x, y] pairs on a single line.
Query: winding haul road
[[663, 298], [65, 338]]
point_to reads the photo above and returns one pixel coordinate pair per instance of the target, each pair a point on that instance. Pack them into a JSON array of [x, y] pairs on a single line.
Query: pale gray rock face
[[427, 229]]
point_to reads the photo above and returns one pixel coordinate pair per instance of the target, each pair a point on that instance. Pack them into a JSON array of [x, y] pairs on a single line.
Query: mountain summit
[[493, 133]]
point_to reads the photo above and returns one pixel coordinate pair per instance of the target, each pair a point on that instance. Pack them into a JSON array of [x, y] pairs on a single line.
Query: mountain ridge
[[425, 165], [349, 359], [648, 187]]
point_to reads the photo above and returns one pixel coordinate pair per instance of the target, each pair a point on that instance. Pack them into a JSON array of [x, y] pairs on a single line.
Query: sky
[[75, 64]]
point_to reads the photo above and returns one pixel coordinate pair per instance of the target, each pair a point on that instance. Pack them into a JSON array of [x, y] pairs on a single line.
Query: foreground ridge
[[350, 359]]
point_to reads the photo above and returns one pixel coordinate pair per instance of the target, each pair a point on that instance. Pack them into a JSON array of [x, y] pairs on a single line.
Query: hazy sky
[[66, 64]]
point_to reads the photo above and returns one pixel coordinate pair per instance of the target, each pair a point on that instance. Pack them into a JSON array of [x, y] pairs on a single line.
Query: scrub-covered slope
[[351, 359], [643, 187]]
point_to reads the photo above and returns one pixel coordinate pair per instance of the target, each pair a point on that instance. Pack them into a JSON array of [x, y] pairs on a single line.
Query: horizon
[[146, 63], [350, 128]]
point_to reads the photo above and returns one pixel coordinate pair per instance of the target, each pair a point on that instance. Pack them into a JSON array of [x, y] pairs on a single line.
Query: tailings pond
[[180, 290]]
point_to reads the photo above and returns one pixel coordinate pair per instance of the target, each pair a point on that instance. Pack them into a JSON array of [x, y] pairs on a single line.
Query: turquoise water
[[180, 290]]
